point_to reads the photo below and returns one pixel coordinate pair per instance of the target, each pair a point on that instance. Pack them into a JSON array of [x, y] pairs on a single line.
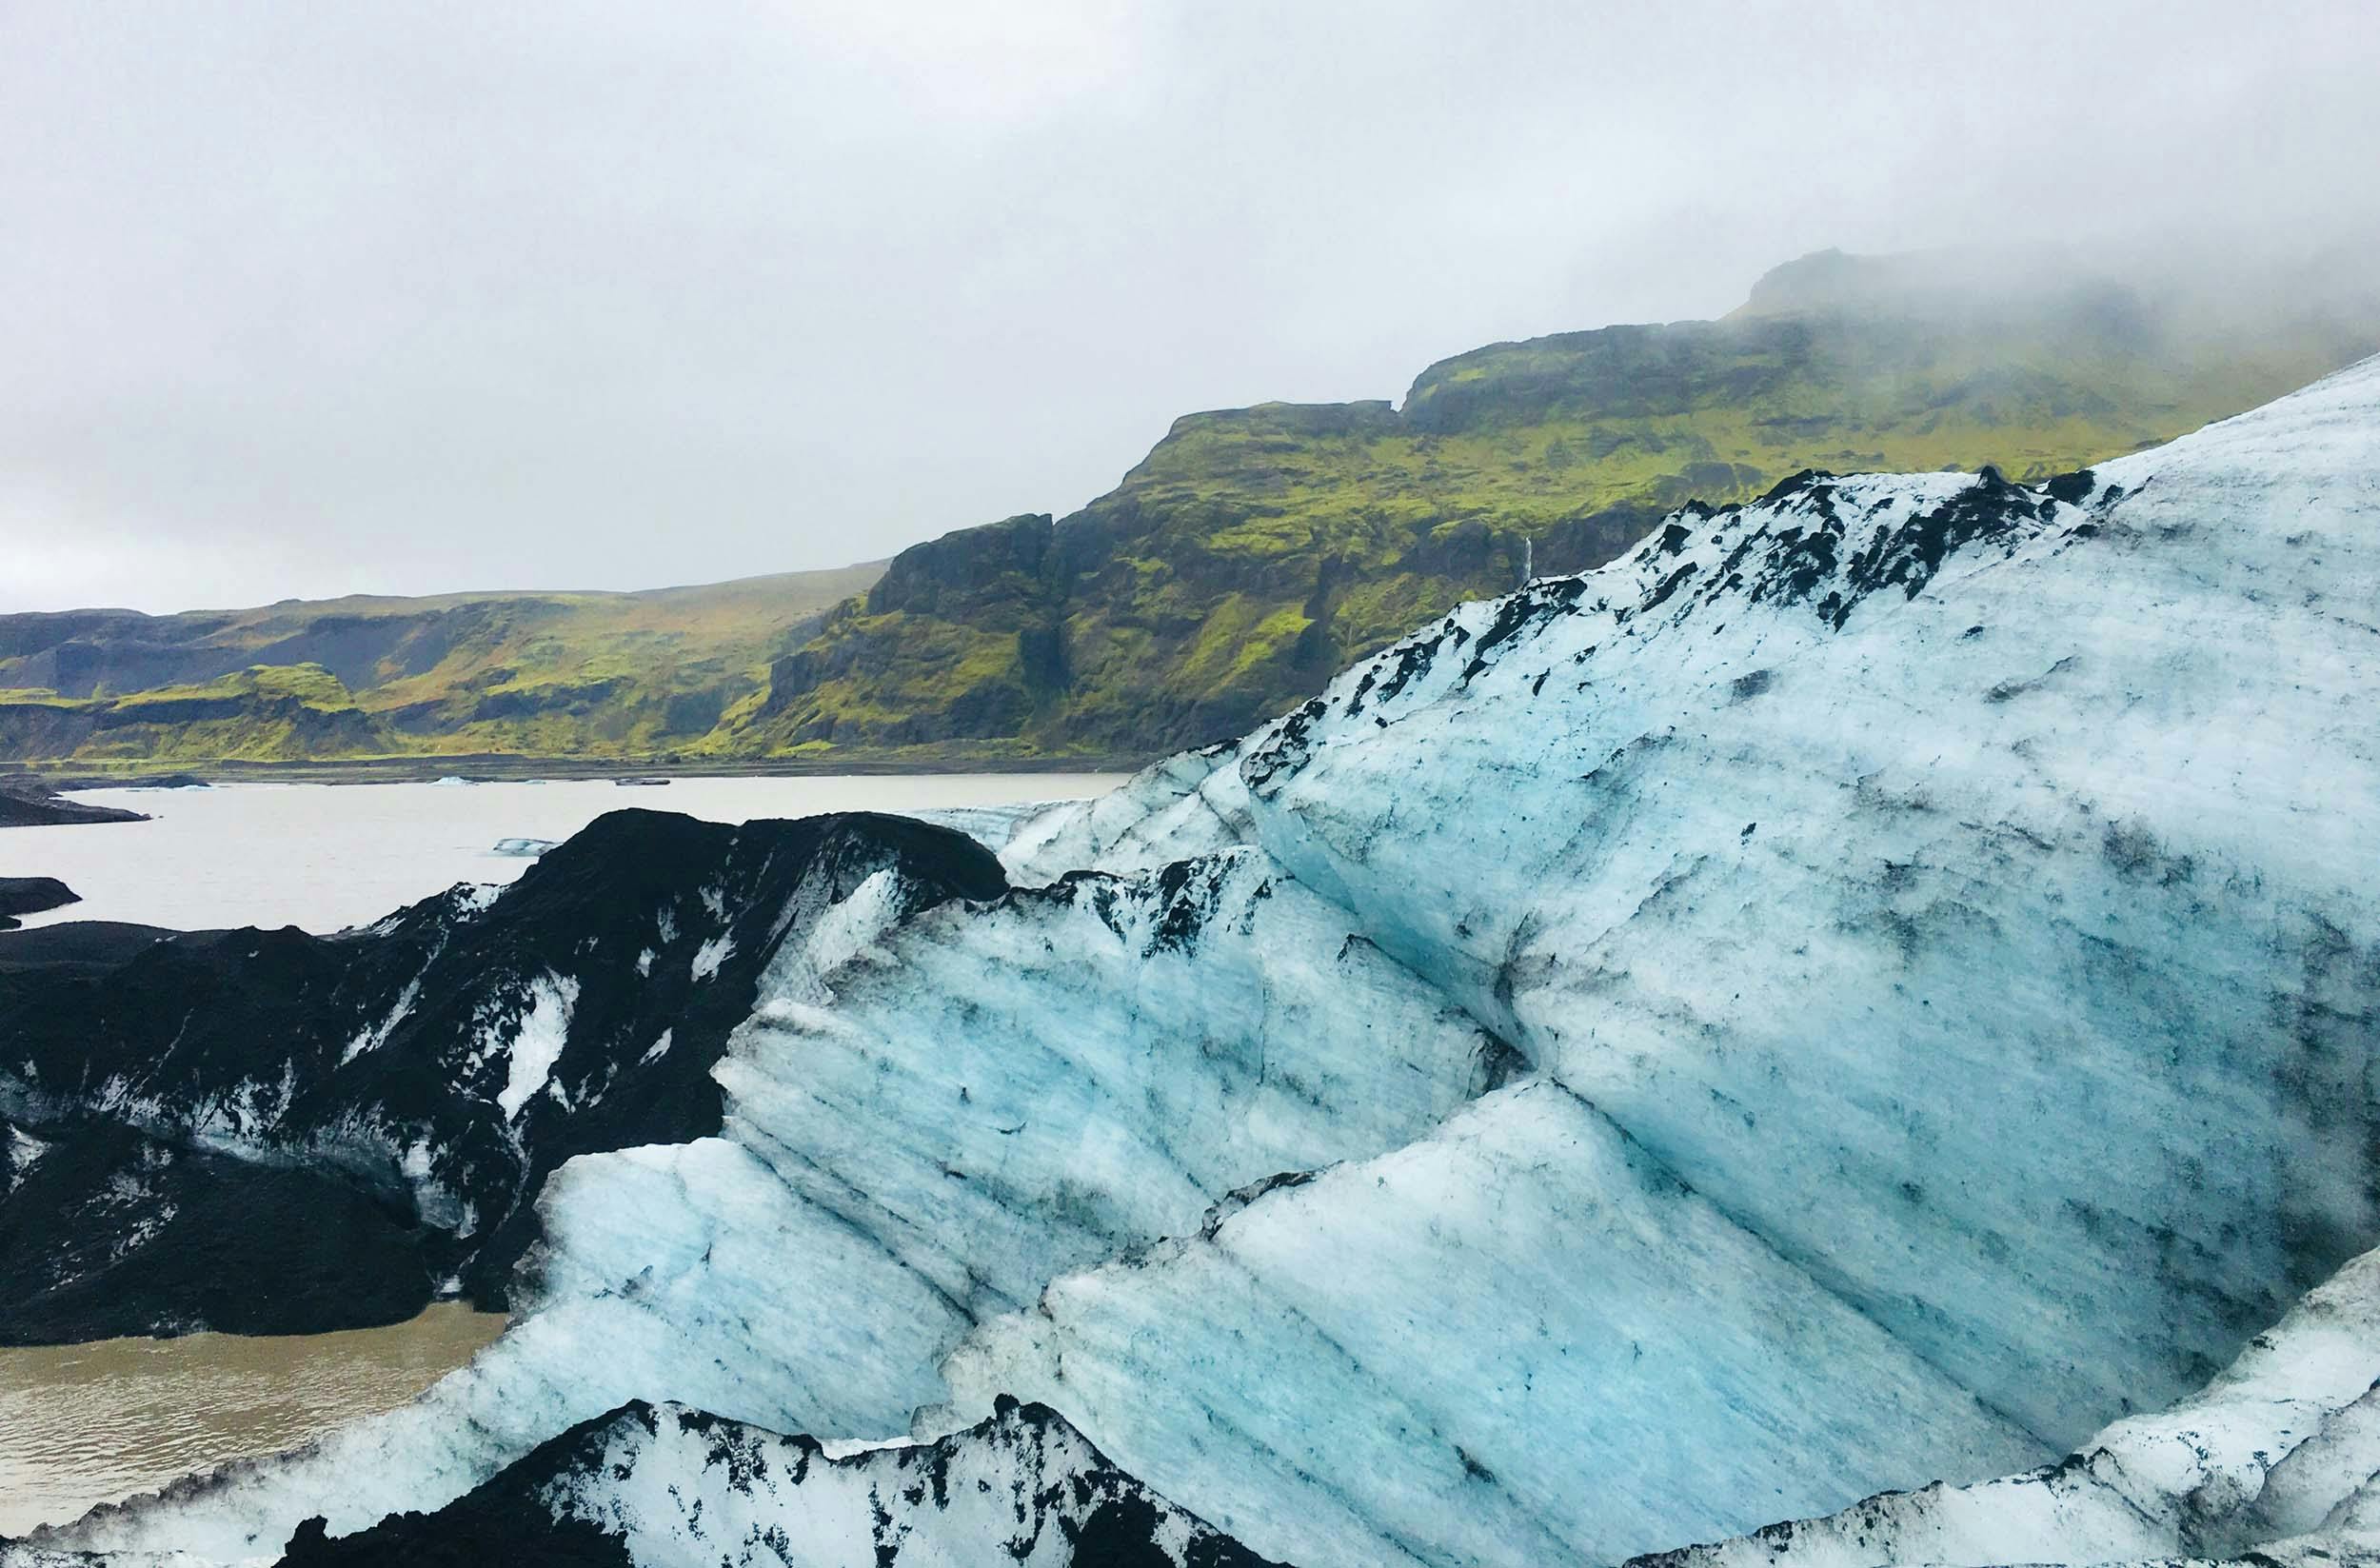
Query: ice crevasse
[[1873, 992]]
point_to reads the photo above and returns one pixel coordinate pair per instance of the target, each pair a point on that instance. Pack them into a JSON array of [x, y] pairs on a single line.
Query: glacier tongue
[[2276, 1462], [1930, 918], [1009, 1093]]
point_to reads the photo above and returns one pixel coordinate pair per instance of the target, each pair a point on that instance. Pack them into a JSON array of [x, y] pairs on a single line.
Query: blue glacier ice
[[1873, 991]]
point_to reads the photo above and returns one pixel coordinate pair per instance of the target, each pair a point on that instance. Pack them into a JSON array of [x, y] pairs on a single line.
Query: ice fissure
[[1872, 990]]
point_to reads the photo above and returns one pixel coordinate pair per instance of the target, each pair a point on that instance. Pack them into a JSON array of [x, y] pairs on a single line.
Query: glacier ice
[[1866, 991], [991, 1099], [2276, 1462], [1518, 1338]]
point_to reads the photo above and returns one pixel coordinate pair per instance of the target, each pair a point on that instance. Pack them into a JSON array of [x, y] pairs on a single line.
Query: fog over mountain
[[303, 301]]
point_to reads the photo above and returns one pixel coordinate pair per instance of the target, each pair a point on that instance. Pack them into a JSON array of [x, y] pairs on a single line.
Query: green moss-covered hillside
[[628, 675], [1252, 554], [1258, 550]]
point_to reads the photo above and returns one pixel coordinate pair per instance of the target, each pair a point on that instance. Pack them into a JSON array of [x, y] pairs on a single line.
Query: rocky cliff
[[1251, 554]]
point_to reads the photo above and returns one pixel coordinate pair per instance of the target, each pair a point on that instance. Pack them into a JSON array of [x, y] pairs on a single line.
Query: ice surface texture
[[1866, 990]]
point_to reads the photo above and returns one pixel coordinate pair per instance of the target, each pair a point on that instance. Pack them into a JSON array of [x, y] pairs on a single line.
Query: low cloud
[[300, 300]]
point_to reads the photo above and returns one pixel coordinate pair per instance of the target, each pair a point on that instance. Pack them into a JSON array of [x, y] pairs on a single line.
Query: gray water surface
[[323, 856], [93, 1423]]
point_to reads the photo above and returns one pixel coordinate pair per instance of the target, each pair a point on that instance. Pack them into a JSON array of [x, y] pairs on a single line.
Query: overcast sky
[[301, 299]]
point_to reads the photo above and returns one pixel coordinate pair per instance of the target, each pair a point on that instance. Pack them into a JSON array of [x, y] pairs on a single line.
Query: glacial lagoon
[[323, 856], [86, 1424]]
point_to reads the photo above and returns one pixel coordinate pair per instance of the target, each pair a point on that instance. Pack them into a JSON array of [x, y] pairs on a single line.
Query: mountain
[[1257, 550], [1252, 554], [532, 674], [1872, 991]]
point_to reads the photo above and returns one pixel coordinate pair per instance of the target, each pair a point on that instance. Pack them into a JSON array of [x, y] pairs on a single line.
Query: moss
[[1253, 551], [589, 674], [1248, 555]]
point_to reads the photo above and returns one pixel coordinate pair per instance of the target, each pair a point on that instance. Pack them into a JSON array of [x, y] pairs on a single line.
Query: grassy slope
[[1256, 551], [1250, 555], [560, 674]]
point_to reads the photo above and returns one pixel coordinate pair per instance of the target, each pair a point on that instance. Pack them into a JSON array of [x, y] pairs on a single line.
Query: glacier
[[1869, 994], [2276, 1462]]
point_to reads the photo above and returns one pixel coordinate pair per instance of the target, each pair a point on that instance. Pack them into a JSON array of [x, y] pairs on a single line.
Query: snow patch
[[377, 1035], [537, 1042], [24, 1150], [713, 953]]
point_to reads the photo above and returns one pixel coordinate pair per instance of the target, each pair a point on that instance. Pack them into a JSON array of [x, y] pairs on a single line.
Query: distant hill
[[540, 674], [1257, 550], [1249, 555]]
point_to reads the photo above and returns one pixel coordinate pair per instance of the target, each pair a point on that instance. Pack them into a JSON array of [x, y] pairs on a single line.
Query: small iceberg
[[526, 848]]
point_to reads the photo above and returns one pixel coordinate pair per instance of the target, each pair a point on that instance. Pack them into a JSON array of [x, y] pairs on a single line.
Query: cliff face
[[1252, 554], [1253, 551]]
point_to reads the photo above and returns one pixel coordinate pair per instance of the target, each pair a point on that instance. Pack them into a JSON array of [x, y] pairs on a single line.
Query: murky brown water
[[93, 1423]]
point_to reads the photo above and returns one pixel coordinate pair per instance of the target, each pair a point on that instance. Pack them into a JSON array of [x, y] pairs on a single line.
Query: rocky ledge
[[32, 896], [28, 803]]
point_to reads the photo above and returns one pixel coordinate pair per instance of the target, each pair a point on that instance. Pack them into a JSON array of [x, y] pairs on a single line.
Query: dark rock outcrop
[[412, 1084], [32, 896], [1023, 1487], [107, 1231], [26, 802]]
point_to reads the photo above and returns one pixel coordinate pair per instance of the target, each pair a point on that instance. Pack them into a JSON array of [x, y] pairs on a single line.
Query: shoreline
[[95, 1421], [507, 769]]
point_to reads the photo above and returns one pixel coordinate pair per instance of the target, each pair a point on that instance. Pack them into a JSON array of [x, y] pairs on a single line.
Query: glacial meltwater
[[93, 1423], [321, 857], [90, 1423]]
